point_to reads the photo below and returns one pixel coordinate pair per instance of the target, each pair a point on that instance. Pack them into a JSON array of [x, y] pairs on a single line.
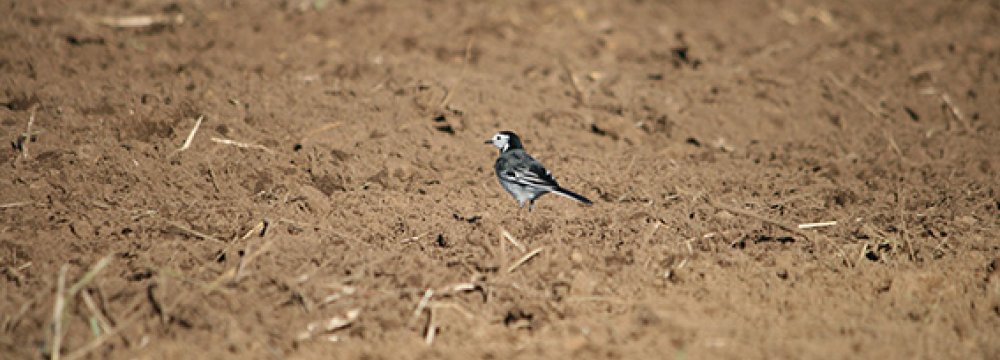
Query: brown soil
[[705, 131]]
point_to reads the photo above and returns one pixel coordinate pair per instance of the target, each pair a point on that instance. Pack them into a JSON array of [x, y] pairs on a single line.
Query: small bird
[[521, 175]]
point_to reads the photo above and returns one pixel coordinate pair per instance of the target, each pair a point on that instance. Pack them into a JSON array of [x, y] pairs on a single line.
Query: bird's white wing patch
[[527, 176]]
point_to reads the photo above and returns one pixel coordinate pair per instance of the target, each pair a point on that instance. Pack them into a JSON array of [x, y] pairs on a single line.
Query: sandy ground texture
[[308, 179]]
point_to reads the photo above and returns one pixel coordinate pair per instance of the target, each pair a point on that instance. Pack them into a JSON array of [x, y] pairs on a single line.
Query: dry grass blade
[[524, 259], [863, 253], [14, 273], [27, 133], [512, 240], [190, 137], [138, 21], [431, 328], [454, 306], [245, 261], [96, 313], [235, 274], [895, 147], [57, 314], [320, 129], [16, 204], [760, 218], [817, 225], [457, 288], [422, 304], [63, 295], [192, 232], [328, 326], [955, 111], [11, 323], [854, 95], [94, 344], [783, 226], [243, 145], [89, 276], [502, 252], [581, 97], [260, 228], [256, 229], [340, 322]]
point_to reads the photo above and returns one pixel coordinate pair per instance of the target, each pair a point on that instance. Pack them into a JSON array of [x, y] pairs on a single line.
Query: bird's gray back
[[520, 161], [515, 159]]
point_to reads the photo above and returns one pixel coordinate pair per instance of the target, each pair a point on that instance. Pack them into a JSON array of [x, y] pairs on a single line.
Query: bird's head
[[505, 140]]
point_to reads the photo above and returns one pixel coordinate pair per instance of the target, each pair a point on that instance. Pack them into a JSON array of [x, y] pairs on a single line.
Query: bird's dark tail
[[572, 195]]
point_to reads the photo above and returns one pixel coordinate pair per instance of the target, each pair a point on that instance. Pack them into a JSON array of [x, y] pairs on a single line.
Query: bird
[[522, 176]]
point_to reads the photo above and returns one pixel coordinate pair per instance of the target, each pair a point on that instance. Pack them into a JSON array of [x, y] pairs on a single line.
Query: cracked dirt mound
[[704, 131]]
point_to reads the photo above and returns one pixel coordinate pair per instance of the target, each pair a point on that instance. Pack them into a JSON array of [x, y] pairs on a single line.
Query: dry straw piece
[[422, 304], [190, 137], [27, 132], [524, 259], [431, 328], [57, 314], [138, 21], [242, 145], [63, 296], [512, 240], [15, 204], [817, 225]]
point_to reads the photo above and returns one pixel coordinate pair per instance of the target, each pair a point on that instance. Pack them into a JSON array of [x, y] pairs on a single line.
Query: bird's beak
[[488, 141]]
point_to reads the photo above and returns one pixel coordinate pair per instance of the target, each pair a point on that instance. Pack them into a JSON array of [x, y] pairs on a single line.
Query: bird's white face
[[500, 140]]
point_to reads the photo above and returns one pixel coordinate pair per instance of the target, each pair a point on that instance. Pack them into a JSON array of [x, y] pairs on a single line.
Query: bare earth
[[337, 200]]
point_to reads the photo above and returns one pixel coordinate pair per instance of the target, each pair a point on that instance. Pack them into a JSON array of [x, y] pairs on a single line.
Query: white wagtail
[[521, 175]]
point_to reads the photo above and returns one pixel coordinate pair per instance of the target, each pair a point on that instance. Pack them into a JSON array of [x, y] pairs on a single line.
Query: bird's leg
[[520, 211], [529, 223]]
